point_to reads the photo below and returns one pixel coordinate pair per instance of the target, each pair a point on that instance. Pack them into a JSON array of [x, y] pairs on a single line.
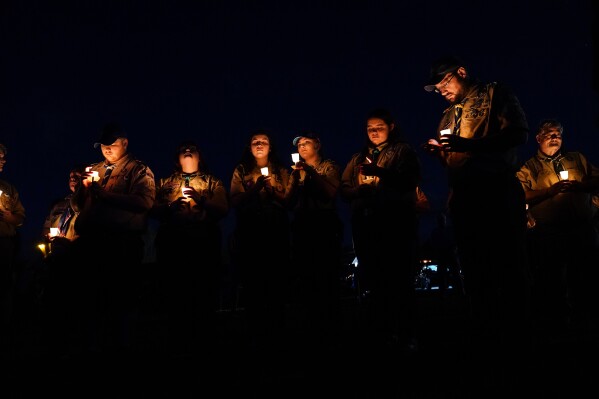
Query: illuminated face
[[451, 87], [550, 141], [116, 150], [260, 146], [307, 148], [378, 130], [189, 158]]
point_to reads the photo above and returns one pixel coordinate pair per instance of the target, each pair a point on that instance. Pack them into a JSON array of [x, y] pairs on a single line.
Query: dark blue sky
[[215, 70]]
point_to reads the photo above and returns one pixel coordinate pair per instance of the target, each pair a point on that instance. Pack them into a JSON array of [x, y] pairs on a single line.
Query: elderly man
[[559, 187]]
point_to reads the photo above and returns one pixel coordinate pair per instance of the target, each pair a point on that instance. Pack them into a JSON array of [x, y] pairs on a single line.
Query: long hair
[[394, 133], [247, 158]]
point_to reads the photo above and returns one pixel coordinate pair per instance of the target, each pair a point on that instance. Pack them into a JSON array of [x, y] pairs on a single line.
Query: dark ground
[[353, 367]]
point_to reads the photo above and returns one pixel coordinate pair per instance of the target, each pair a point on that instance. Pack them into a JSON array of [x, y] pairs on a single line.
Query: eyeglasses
[[444, 85]]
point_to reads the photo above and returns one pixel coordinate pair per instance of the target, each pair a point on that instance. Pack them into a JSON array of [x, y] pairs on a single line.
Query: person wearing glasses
[[559, 187], [190, 205], [477, 141], [379, 183]]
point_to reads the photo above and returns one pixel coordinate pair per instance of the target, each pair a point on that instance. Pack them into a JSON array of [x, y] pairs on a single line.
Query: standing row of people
[[288, 233], [286, 245]]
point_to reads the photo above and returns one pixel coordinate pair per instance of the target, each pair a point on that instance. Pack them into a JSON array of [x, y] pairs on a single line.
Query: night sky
[[213, 71]]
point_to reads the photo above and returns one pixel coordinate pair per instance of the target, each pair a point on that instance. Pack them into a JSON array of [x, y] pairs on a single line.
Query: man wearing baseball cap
[[477, 141]]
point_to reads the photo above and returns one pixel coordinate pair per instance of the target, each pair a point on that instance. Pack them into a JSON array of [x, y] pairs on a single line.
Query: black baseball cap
[[308, 135], [109, 134], [442, 67]]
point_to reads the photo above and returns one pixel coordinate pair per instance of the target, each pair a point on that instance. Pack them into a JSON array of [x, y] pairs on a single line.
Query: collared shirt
[[538, 173], [58, 214], [245, 178], [9, 200], [487, 108], [170, 188], [129, 177], [394, 192], [308, 195]]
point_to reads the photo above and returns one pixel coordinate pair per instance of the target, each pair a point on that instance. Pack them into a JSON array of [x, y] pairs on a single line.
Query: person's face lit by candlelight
[[116, 150], [260, 146], [550, 141], [189, 158], [378, 131]]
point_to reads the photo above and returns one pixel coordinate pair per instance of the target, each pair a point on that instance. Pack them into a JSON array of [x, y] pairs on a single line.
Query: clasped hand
[[449, 143]]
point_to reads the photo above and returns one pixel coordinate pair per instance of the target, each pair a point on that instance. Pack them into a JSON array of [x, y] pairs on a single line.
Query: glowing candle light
[[94, 175], [563, 174], [295, 157], [42, 247], [444, 132], [264, 170], [183, 191], [53, 231]]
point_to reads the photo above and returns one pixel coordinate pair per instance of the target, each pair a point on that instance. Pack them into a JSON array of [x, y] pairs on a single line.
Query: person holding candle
[[487, 207], [60, 274], [379, 183], [111, 225], [62, 214], [316, 236], [260, 240], [190, 205], [12, 217], [563, 209]]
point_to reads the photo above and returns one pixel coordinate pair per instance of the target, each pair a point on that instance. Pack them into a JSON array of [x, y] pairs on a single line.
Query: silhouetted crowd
[[517, 245]]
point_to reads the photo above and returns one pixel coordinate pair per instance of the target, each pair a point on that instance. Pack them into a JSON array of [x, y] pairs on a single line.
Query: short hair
[[548, 124]]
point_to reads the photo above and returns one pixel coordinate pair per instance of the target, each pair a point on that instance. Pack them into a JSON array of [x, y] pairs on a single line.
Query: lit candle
[[53, 231], [444, 132], [264, 170], [295, 157], [183, 191], [42, 247], [94, 176], [563, 174]]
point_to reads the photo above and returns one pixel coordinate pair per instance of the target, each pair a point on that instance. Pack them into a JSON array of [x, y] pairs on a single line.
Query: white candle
[[563, 174], [264, 170], [94, 176], [183, 191], [53, 231], [444, 132], [295, 157]]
